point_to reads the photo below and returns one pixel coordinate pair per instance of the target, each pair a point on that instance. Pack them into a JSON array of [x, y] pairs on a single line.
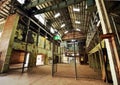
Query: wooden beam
[[35, 3], [57, 6]]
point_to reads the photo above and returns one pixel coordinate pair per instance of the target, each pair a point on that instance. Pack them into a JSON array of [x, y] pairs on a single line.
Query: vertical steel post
[[106, 28], [28, 25], [38, 36], [116, 31], [102, 58], [53, 58], [75, 62], [75, 58]]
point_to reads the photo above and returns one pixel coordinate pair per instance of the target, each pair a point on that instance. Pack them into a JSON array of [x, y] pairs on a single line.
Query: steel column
[[106, 28], [53, 49], [75, 62], [28, 25]]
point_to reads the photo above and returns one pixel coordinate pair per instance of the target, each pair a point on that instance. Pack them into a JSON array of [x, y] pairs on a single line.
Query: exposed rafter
[[73, 35], [34, 3], [58, 6]]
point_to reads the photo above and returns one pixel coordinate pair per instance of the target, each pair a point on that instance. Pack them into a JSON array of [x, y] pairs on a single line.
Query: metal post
[[106, 28], [102, 57], [53, 59], [116, 31], [28, 25], [38, 36], [60, 54], [75, 62]]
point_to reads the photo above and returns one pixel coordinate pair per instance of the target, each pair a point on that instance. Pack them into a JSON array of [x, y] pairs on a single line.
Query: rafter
[[58, 6], [35, 3]]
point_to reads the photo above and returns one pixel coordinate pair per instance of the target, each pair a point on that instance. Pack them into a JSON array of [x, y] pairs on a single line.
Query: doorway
[[17, 59], [40, 60]]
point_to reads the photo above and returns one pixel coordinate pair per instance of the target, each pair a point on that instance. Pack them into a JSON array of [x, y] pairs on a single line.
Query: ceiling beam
[[35, 3], [57, 6]]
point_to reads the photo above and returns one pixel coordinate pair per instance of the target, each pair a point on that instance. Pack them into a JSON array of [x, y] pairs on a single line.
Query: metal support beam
[[75, 58], [38, 33], [106, 28], [75, 62], [26, 15], [36, 3], [58, 6], [26, 46], [53, 49]]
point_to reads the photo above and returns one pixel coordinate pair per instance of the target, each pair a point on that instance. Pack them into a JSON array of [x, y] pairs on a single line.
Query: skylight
[[77, 22], [76, 9], [21, 1], [41, 18], [52, 30], [62, 25], [57, 15]]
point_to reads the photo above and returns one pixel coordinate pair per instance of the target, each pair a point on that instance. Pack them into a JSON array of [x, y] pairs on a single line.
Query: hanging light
[[57, 15], [78, 29], [62, 25], [77, 22], [76, 9], [72, 40]]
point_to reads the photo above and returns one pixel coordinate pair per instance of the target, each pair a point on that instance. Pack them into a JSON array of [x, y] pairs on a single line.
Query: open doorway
[[40, 60], [17, 59]]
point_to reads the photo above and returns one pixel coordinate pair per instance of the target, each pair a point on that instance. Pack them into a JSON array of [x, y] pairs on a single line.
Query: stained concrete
[[41, 75]]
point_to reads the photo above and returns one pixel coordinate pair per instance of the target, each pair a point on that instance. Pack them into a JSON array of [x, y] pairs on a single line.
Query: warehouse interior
[[60, 42]]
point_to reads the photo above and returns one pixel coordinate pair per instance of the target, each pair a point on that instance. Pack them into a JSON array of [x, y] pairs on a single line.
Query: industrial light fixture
[[78, 29], [62, 25], [77, 22], [57, 15], [72, 54], [86, 6], [46, 37], [72, 40], [76, 9], [66, 32]]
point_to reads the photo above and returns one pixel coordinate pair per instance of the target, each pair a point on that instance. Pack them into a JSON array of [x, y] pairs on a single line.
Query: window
[[21, 1], [41, 18]]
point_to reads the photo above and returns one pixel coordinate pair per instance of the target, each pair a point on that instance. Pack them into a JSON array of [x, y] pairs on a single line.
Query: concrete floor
[[42, 76]]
